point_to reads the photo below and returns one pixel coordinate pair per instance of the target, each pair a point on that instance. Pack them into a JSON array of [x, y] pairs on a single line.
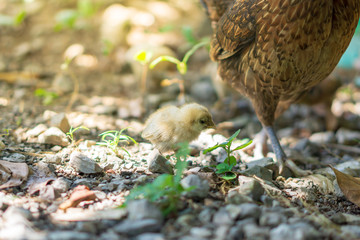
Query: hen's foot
[[281, 156]]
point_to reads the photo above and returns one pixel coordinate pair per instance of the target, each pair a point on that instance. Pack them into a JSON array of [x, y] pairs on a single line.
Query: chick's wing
[[161, 124]]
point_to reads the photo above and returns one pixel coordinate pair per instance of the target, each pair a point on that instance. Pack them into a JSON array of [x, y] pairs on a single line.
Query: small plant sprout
[[181, 66], [144, 58], [111, 139], [46, 96], [5, 132], [71, 132], [225, 168], [165, 189]]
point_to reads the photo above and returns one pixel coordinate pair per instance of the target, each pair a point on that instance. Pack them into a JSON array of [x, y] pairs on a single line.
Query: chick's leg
[[280, 155]]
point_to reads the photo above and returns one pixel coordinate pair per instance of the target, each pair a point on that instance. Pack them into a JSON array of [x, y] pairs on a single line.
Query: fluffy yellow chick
[[171, 125]]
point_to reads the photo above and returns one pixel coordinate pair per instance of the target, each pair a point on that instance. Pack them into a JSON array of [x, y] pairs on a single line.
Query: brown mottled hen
[[273, 51]]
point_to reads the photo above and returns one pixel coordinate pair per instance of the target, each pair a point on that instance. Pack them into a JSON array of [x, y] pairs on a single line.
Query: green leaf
[[66, 18], [86, 8], [229, 176], [232, 161], [211, 149], [19, 18], [188, 34], [242, 146], [230, 139], [223, 167]]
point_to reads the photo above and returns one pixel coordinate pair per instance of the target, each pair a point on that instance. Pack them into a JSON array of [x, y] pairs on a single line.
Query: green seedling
[[112, 139], [46, 96], [143, 57], [18, 19], [71, 132], [225, 168], [166, 189], [182, 66], [5, 132], [67, 18]]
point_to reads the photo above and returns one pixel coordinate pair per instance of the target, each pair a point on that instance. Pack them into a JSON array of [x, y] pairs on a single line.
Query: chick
[[171, 125]]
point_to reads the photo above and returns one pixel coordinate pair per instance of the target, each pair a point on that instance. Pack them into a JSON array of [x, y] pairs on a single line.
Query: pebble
[[258, 171], [60, 121], [150, 236], [61, 185], [323, 137], [36, 131], [298, 231], [248, 187], [143, 209], [84, 164], [347, 137], [53, 136], [271, 219], [201, 186], [69, 235], [136, 227], [253, 231], [222, 217], [200, 232], [159, 164]]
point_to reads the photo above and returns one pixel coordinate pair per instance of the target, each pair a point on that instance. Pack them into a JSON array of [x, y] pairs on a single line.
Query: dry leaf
[[19, 173], [81, 193], [349, 185]]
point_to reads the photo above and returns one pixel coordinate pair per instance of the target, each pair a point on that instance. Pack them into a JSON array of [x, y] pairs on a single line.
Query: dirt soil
[[101, 92]]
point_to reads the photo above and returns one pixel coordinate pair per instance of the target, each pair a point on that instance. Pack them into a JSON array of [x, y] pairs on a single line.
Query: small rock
[[206, 215], [253, 231], [89, 182], [341, 218], [350, 231], [298, 231], [88, 227], [201, 186], [60, 121], [222, 217], [16, 158], [137, 227], [69, 235], [158, 164], [249, 187], [263, 162], [53, 136], [271, 219], [84, 164], [61, 185], [143, 209], [200, 232], [52, 158], [260, 172], [246, 210], [150, 236], [347, 137], [36, 131], [323, 137]]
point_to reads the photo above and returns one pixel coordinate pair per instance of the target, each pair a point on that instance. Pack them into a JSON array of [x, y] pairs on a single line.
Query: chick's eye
[[202, 121]]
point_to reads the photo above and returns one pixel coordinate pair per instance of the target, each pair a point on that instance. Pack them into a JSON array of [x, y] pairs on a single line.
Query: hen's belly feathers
[[290, 47]]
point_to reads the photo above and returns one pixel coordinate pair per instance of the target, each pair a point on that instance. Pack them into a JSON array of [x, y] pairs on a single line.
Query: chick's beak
[[211, 124]]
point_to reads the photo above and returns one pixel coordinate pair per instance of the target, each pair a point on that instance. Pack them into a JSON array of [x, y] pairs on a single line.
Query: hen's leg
[[280, 155]]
